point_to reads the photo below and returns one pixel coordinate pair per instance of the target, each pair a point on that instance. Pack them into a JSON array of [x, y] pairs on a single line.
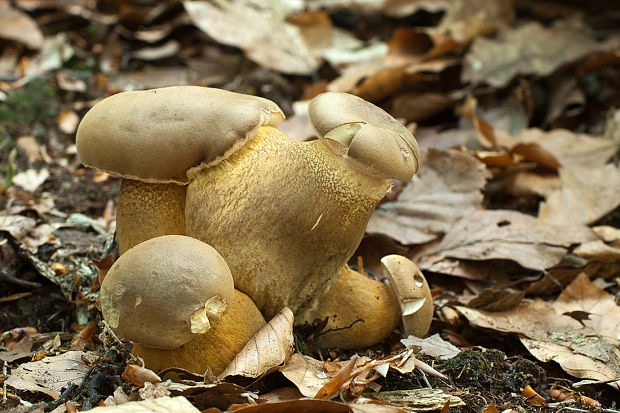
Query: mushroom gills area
[[214, 349], [360, 312], [148, 210], [286, 216]]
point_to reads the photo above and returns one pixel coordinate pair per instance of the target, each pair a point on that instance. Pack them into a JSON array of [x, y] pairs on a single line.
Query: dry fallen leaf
[[268, 348], [548, 335], [52, 374], [17, 25], [163, 404], [419, 400], [598, 251], [266, 37], [433, 346], [306, 373], [510, 235], [600, 306], [587, 194], [497, 61], [446, 188]]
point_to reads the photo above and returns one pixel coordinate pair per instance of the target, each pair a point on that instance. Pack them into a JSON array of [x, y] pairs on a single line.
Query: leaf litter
[[515, 202]]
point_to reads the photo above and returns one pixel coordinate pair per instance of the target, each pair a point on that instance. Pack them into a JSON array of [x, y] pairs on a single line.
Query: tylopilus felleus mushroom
[[286, 216]]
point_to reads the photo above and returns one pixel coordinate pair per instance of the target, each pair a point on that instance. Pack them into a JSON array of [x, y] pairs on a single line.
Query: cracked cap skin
[[372, 136]]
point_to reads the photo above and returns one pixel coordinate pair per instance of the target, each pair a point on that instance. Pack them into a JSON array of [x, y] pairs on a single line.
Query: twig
[[63, 397], [5, 373], [11, 278]]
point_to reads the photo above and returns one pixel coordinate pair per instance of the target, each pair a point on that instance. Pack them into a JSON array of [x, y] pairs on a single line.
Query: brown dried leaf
[[603, 312], [17, 25], [511, 235], [416, 107], [266, 37], [466, 20], [528, 49], [490, 299], [306, 373], [298, 406], [598, 251], [446, 189], [404, 8], [587, 194], [332, 387], [433, 346], [163, 404], [52, 374], [269, 348], [551, 336], [419, 400], [138, 376], [568, 148]]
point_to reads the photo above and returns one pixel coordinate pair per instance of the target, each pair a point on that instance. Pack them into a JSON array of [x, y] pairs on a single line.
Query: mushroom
[[171, 292], [152, 138], [370, 310], [287, 215]]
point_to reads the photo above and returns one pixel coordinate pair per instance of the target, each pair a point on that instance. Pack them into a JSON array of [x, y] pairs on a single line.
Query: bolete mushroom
[[153, 137], [285, 215], [174, 295]]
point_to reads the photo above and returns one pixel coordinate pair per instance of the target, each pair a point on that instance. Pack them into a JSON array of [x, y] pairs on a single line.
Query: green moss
[[34, 103]]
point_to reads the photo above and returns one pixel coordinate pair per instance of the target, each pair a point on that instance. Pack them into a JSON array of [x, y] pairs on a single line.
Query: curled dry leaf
[[139, 375], [446, 189], [269, 348]]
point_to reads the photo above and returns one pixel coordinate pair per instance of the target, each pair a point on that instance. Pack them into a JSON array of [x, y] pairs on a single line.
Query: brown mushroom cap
[[412, 292], [365, 133], [164, 291], [158, 135]]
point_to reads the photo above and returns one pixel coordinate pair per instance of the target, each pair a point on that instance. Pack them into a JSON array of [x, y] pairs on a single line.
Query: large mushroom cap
[[369, 134], [158, 135], [412, 292], [164, 291]]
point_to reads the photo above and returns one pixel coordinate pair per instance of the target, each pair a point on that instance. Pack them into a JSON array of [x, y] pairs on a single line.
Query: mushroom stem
[[286, 216], [214, 349], [361, 311], [148, 210]]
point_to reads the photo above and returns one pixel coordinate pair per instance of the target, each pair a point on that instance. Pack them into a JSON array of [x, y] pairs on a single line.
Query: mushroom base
[[147, 210], [360, 312], [216, 348]]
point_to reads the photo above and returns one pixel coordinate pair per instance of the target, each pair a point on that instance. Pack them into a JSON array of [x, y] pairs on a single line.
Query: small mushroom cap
[[368, 133], [164, 291], [412, 292], [158, 135]]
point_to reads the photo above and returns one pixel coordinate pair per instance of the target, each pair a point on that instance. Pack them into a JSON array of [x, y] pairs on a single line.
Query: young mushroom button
[[165, 291]]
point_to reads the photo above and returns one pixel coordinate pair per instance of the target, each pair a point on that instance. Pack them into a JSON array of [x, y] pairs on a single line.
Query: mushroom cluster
[[286, 216]]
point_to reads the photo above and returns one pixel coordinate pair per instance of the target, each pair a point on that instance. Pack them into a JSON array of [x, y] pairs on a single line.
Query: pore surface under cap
[[381, 143], [157, 135]]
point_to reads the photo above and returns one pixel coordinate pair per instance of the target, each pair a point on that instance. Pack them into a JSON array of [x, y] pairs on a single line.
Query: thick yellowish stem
[[286, 216], [214, 349], [147, 210], [360, 312]]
